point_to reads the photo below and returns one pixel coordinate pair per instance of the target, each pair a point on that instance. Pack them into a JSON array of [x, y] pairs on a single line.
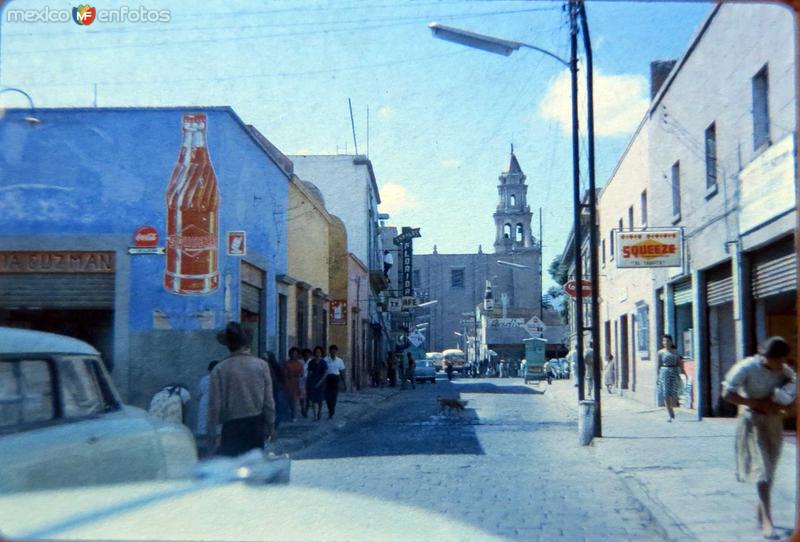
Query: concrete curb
[[669, 527]]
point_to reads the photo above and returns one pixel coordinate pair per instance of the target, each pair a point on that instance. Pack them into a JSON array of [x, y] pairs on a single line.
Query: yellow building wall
[[308, 233], [340, 333]]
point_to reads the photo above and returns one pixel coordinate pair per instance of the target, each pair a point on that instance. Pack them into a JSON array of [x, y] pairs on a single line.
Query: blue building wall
[[88, 178]]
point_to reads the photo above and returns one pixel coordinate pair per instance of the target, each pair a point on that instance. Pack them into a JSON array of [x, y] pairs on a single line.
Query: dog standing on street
[[451, 405]]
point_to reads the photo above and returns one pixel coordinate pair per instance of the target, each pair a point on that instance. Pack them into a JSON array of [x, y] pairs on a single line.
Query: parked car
[[62, 422], [426, 370], [438, 360]]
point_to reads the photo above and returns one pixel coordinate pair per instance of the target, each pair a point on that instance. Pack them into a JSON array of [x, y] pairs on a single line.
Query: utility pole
[[593, 243], [541, 269], [576, 195]]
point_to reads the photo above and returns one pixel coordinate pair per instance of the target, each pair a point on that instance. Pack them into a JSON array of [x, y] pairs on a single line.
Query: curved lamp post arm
[[491, 44]]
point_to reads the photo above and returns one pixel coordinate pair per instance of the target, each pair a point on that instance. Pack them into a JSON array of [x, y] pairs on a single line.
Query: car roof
[[25, 341]]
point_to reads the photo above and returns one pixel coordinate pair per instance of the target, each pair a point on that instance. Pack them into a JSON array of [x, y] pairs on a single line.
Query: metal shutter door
[[682, 292], [774, 276], [719, 285], [57, 291], [251, 298]]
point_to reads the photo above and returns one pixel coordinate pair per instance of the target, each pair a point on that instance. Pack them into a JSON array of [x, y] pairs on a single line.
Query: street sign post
[[535, 327], [416, 338], [407, 235]]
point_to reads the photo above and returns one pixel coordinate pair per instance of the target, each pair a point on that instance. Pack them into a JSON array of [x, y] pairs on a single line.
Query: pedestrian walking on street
[[412, 369], [315, 379], [588, 369], [610, 374], [305, 358], [334, 377], [240, 397], [169, 403], [293, 372], [449, 369], [403, 370], [670, 368], [391, 367], [203, 445], [279, 392], [763, 385], [572, 357]]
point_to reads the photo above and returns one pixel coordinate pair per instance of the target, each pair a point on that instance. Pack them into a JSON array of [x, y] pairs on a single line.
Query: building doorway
[[624, 360]]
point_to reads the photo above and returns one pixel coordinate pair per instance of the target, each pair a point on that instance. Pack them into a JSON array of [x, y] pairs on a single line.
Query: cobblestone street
[[510, 465]]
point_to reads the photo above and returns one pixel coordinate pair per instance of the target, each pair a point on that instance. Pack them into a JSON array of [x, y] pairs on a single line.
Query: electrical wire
[[358, 27], [211, 78]]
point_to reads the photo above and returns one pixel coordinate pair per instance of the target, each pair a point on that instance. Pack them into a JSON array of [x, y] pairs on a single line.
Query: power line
[[230, 39], [160, 28], [210, 78]]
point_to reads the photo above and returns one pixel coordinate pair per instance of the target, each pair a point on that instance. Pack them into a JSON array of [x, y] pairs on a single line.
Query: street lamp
[[30, 119], [505, 47], [428, 303], [514, 265]]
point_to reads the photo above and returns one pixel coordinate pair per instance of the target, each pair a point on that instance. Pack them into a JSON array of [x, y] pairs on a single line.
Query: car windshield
[[358, 269]]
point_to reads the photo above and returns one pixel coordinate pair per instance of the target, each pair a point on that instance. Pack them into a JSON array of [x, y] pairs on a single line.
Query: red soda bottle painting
[[192, 215]]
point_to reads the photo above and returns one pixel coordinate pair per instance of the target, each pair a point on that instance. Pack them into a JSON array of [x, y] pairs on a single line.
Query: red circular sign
[[571, 288], [146, 236]]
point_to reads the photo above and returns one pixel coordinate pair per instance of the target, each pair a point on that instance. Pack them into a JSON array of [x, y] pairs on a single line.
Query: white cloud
[[395, 198], [451, 163], [620, 102], [386, 112]]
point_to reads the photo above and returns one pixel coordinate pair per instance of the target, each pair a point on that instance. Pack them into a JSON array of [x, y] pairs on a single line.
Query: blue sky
[[441, 116]]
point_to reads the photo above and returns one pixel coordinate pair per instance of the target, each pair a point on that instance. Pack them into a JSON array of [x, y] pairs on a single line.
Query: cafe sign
[[649, 248]]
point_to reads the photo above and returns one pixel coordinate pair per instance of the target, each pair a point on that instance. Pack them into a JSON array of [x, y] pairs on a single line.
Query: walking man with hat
[[240, 397]]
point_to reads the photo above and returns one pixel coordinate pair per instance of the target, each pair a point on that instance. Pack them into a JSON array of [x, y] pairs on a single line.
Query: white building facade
[[715, 157], [350, 190]]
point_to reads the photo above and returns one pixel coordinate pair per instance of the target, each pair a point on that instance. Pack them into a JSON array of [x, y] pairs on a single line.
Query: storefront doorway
[[65, 292]]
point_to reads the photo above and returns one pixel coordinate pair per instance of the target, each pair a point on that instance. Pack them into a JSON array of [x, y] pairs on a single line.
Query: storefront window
[[643, 330]]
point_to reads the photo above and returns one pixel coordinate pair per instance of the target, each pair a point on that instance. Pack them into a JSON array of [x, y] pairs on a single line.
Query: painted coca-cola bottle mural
[[192, 215]]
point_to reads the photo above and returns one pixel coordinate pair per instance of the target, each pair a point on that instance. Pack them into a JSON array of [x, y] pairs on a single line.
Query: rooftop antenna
[[367, 131], [353, 124], [94, 99]]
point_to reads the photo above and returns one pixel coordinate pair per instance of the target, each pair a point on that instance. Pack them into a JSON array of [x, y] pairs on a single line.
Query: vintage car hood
[[185, 510]]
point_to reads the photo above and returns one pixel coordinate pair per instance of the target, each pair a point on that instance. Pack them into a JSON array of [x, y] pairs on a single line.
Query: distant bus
[[455, 357]]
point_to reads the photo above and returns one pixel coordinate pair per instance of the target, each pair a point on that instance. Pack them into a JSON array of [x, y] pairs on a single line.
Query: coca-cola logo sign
[[146, 236]]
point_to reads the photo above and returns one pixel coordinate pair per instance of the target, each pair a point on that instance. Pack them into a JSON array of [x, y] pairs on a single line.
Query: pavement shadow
[[419, 428], [490, 387]]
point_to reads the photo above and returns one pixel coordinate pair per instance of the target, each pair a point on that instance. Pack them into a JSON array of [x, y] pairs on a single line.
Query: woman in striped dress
[[670, 367]]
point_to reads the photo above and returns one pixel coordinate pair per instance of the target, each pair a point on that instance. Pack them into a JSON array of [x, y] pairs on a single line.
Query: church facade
[[459, 281]]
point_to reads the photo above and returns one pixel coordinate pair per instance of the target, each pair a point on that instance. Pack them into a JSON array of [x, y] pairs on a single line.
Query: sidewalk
[[683, 472], [351, 407]]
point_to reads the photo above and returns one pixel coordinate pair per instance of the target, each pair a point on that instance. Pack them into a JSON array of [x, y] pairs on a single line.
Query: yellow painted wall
[[308, 232], [338, 256]]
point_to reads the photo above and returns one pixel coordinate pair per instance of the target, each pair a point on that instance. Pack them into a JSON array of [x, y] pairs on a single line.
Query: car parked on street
[[425, 370], [62, 422]]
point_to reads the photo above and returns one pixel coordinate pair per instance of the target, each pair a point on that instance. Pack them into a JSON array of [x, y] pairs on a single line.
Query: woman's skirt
[[314, 392], [669, 382], [758, 445]]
